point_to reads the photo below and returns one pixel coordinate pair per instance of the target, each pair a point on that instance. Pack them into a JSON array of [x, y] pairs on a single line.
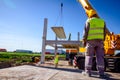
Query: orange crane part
[[87, 7], [112, 43]]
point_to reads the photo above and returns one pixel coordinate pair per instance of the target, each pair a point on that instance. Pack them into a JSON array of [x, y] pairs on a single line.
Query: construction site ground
[[47, 71]]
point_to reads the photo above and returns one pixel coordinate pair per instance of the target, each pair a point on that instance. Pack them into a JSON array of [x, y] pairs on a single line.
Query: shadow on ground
[[94, 73]]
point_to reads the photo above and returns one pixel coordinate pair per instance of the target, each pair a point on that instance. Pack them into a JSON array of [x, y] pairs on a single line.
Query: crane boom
[[87, 6]]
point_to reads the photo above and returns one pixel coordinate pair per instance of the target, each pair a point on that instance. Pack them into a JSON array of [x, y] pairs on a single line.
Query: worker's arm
[[106, 30], [85, 33]]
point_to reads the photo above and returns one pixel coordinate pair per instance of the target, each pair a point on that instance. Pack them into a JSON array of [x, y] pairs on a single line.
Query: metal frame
[[59, 31]]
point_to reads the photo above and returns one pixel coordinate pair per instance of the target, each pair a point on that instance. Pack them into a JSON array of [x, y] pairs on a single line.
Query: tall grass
[[14, 56], [23, 57]]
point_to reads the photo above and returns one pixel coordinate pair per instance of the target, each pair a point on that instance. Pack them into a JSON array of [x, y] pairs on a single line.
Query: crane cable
[[60, 16], [61, 13]]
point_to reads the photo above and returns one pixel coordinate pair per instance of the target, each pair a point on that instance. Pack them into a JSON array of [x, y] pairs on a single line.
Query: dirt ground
[[64, 64], [39, 71], [12, 64]]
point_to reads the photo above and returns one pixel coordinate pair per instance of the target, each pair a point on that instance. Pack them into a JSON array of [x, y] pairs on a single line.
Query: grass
[[13, 56], [22, 57], [8, 59]]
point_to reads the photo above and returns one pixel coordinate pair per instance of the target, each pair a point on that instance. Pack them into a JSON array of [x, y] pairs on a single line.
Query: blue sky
[[21, 21]]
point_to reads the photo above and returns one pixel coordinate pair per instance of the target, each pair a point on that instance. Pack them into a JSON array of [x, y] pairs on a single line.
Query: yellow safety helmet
[[90, 13]]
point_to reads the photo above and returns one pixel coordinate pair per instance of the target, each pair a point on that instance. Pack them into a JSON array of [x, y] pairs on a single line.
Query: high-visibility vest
[[96, 29], [56, 59]]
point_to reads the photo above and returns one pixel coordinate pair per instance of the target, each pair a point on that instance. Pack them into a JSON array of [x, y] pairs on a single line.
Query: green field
[[13, 56], [18, 58]]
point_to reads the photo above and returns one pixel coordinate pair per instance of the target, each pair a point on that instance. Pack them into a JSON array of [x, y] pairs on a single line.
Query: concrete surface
[[48, 72]]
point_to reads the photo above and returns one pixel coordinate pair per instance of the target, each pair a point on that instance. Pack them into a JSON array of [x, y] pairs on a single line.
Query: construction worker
[[56, 60], [93, 37]]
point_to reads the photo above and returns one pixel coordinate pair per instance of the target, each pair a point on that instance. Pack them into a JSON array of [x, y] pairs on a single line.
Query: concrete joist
[[62, 42], [59, 31]]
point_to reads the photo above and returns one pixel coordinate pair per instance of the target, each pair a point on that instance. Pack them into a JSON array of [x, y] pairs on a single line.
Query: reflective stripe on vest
[[96, 30]]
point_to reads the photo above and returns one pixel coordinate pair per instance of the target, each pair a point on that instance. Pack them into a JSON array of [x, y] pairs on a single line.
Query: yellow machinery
[[111, 43], [87, 7]]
